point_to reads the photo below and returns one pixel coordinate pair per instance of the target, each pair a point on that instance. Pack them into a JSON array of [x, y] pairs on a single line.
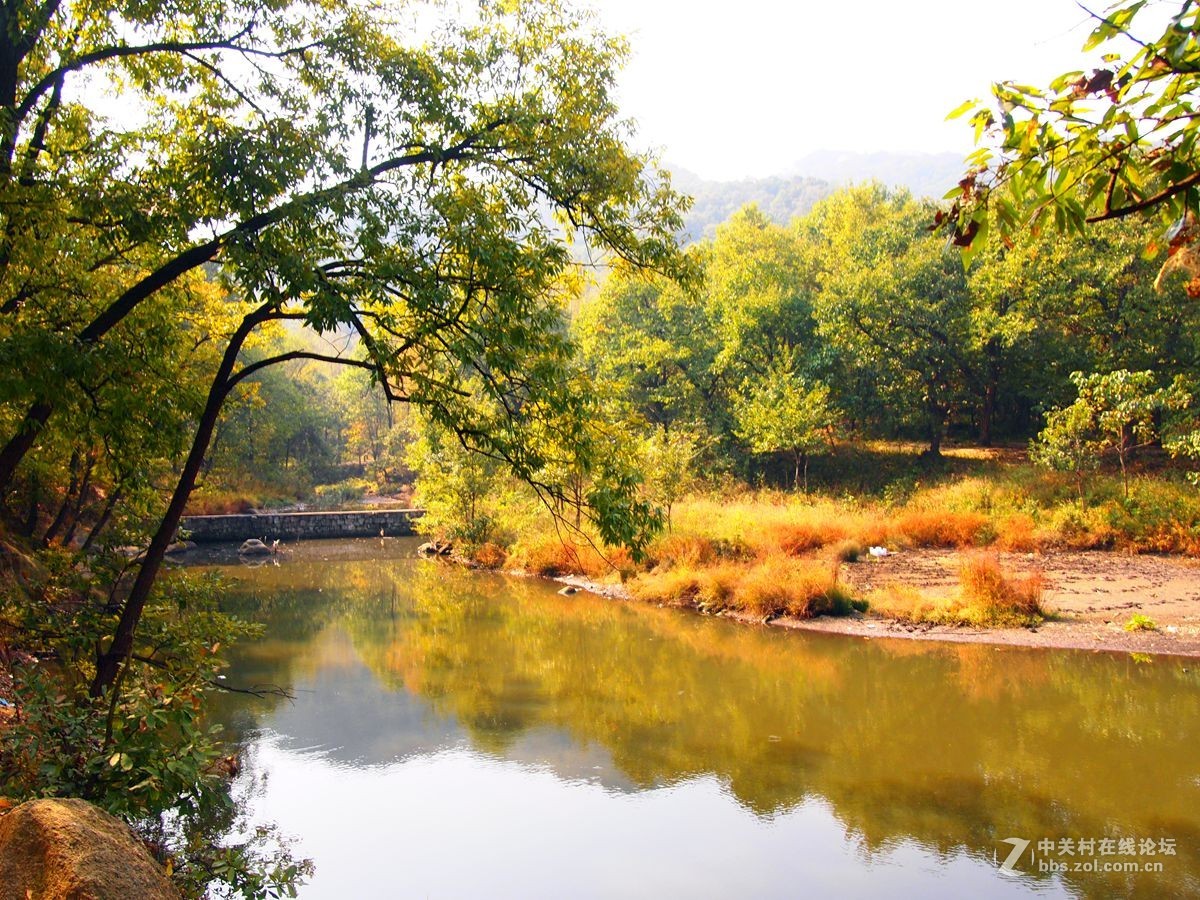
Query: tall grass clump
[[550, 555], [987, 595], [993, 597], [770, 587], [939, 528]]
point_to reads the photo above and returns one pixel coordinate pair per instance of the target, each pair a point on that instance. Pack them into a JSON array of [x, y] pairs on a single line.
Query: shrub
[[342, 492], [1140, 622], [221, 503], [847, 551], [490, 556]]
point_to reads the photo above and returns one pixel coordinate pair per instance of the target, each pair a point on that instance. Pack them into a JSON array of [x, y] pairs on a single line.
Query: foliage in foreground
[[1118, 141], [145, 753]]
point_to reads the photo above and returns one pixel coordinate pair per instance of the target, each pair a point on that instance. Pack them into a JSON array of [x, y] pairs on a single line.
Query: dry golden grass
[[550, 556], [681, 549], [709, 588], [994, 595], [987, 596], [490, 556], [1017, 533], [938, 528], [908, 604], [778, 585], [798, 537]]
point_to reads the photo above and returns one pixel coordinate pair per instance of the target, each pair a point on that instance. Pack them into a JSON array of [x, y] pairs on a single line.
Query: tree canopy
[[1117, 141], [393, 171]]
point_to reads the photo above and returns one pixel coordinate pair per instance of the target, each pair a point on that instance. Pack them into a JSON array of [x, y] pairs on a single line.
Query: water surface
[[456, 734]]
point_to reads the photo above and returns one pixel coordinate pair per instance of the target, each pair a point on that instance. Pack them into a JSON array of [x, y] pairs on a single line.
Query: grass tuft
[[939, 528], [993, 597], [987, 596], [1140, 622], [778, 585], [848, 551]]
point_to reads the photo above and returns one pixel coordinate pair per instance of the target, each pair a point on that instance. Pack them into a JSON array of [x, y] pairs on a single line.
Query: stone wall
[[299, 525]]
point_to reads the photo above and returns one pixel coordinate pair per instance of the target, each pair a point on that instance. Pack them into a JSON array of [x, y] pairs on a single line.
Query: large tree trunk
[[108, 662], [937, 427], [988, 413], [20, 443]]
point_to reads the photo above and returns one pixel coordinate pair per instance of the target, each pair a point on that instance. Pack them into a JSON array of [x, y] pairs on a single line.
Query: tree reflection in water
[[952, 746]]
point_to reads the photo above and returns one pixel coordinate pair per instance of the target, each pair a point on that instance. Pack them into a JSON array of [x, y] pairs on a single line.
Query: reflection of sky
[[344, 714], [391, 800], [460, 824]]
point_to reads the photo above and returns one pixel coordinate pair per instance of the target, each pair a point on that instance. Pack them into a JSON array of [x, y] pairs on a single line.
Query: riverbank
[[1090, 597]]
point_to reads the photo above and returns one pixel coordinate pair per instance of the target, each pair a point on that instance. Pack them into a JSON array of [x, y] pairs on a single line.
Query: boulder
[[436, 548], [60, 849], [254, 547]]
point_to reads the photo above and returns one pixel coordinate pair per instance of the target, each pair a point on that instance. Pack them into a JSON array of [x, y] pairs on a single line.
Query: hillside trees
[[1114, 412], [334, 171]]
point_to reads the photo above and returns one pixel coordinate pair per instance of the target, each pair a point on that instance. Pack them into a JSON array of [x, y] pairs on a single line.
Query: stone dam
[[298, 526]]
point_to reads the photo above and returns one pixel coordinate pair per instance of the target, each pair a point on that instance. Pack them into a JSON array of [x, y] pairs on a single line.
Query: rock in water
[[254, 547], [60, 849], [436, 548]]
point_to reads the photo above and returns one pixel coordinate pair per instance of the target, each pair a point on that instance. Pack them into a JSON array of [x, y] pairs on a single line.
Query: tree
[[1116, 142], [759, 286], [650, 342], [893, 301], [667, 458], [1114, 412], [458, 489], [328, 170], [784, 413]]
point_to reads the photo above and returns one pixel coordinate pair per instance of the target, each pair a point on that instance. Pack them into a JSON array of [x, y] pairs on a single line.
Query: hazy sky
[[746, 87]]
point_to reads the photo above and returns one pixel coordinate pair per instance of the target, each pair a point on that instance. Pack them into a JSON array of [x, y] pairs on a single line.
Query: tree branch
[[1153, 200]]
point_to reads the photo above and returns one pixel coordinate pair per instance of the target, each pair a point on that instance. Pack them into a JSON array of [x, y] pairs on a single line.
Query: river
[[458, 734]]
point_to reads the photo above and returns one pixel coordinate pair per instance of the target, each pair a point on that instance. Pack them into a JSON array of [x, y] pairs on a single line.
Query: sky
[[746, 88]]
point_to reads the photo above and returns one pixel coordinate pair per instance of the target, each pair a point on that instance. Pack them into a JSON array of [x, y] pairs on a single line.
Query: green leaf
[[961, 109]]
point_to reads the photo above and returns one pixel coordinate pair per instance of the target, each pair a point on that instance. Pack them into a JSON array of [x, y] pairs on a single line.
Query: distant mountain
[[925, 174], [783, 198], [814, 177]]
